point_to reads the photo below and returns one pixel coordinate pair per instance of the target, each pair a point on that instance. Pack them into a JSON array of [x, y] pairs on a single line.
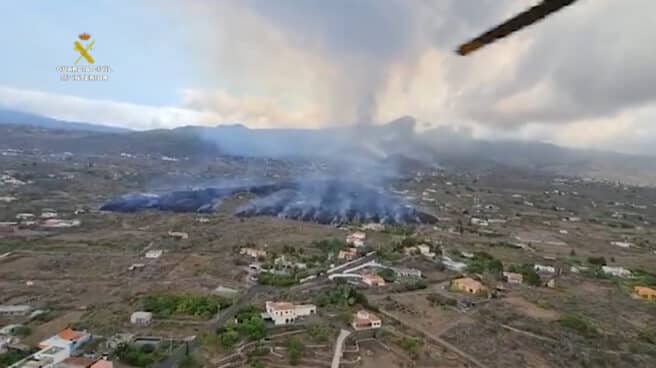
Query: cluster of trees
[[484, 262], [184, 304], [319, 332], [342, 295], [579, 325], [143, 356], [436, 299], [277, 279], [295, 349], [249, 325], [528, 272], [411, 346], [11, 357], [328, 246]]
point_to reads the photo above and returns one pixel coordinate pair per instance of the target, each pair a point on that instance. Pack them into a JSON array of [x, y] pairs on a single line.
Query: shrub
[[184, 304], [295, 350], [273, 279], [598, 261], [579, 326]]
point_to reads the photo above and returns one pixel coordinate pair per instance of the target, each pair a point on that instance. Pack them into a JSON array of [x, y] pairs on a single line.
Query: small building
[[468, 285], [513, 277], [478, 222], [543, 268], [373, 226], [282, 313], [141, 318], [153, 253], [25, 216], [178, 235], [365, 320], [136, 266], [356, 239], [621, 244], [407, 272], [252, 252], [348, 254], [60, 223], [48, 215], [15, 310], [68, 339], [373, 279], [452, 265], [645, 292], [425, 250], [616, 271]]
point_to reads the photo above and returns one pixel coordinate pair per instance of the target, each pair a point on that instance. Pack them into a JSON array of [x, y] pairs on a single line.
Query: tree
[[597, 261], [295, 350], [387, 274]]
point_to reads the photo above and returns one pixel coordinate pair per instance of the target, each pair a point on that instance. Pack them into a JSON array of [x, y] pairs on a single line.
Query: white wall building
[[154, 253], [543, 268], [364, 320], [356, 239], [14, 310], [616, 271], [282, 313], [141, 318]]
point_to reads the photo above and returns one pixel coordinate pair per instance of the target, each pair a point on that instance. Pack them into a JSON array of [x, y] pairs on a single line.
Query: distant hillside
[[21, 118], [365, 149]]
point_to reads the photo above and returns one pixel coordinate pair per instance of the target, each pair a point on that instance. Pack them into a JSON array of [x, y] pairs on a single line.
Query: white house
[[14, 310], [373, 279], [364, 320], [68, 339], [282, 313], [154, 253], [141, 318], [478, 221], [453, 265], [356, 239], [621, 244], [252, 252], [616, 271], [425, 251], [178, 235], [543, 268]]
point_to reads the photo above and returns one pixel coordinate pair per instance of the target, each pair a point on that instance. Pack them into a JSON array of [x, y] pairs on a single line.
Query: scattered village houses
[[282, 313], [513, 277], [468, 285], [543, 268], [616, 271], [373, 279], [364, 320], [178, 235], [153, 253], [141, 318], [356, 239], [56, 349], [15, 310], [645, 292], [347, 254], [252, 252]]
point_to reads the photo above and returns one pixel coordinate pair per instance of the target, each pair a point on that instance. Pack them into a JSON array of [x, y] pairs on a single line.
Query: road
[[339, 347], [436, 339]]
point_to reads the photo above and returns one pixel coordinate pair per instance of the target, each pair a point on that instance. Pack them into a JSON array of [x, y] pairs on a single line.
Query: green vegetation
[[331, 246], [387, 274], [274, 279], [415, 285], [399, 230], [528, 273], [11, 357], [579, 326], [648, 335], [295, 350], [342, 296], [643, 278], [22, 331], [411, 346], [189, 361], [484, 262], [165, 305], [597, 261], [143, 356], [250, 325], [319, 332], [440, 300]]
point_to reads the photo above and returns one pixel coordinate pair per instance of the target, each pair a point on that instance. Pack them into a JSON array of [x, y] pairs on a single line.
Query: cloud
[[112, 113], [584, 77]]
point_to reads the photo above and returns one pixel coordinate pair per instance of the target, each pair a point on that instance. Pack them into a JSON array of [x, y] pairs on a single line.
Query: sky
[[583, 78]]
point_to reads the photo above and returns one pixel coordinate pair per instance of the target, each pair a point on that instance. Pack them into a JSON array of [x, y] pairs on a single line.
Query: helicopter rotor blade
[[521, 20]]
